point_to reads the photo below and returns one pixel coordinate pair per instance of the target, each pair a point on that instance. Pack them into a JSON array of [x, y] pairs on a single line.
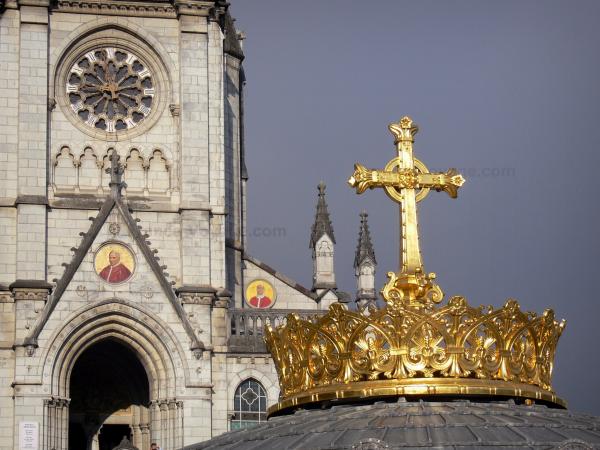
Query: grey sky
[[509, 85]]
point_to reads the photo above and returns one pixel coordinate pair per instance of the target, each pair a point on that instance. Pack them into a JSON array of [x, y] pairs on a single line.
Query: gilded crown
[[414, 346], [414, 350]]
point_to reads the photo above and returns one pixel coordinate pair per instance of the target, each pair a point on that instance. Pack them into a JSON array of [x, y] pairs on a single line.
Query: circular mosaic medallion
[[260, 294], [114, 262]]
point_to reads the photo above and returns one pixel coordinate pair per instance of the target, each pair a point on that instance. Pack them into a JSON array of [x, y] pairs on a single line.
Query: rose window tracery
[[110, 89]]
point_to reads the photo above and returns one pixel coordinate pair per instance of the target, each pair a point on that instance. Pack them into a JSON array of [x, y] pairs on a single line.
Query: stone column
[[179, 425], [172, 405], [156, 429], [32, 144], [145, 430], [7, 363], [216, 134], [45, 435], [145, 427], [164, 425], [194, 112], [135, 426], [194, 142], [55, 430], [221, 331], [10, 24], [64, 420], [233, 178]]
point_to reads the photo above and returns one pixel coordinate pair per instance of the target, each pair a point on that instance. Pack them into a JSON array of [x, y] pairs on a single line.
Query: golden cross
[[407, 181]]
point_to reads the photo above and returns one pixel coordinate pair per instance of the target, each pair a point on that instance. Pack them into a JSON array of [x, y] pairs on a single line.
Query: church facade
[[128, 303]]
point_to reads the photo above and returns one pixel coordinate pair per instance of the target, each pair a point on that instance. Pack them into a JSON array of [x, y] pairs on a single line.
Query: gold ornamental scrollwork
[[401, 342]]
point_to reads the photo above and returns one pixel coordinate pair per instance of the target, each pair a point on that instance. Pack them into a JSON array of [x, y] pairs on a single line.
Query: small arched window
[[249, 405]]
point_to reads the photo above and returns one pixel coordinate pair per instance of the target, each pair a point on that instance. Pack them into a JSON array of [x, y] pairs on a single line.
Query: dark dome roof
[[456, 425]]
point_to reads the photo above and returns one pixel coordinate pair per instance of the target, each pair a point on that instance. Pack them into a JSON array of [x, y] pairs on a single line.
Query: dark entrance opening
[[111, 436], [107, 384]]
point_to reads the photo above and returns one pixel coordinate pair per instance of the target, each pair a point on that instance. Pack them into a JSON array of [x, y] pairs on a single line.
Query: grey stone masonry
[[161, 202]]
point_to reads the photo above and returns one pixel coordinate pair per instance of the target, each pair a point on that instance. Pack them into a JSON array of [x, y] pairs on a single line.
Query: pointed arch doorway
[[110, 397], [120, 344]]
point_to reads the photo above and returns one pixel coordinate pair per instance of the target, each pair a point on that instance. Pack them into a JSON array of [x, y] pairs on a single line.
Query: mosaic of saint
[[114, 263], [260, 294]]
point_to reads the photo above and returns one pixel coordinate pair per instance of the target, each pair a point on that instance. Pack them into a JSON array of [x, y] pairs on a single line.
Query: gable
[[290, 295], [136, 276]]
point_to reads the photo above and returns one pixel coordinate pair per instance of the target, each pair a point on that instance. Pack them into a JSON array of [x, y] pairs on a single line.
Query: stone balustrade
[[247, 325]]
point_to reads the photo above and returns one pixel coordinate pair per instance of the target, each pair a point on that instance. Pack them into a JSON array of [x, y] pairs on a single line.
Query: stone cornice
[[194, 7], [212, 9], [122, 8], [30, 285], [196, 294]]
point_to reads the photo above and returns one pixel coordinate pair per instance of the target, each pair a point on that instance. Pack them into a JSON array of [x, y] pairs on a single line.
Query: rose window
[[110, 89]]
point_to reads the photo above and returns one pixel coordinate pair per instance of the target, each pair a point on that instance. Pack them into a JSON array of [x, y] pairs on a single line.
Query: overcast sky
[[508, 92]]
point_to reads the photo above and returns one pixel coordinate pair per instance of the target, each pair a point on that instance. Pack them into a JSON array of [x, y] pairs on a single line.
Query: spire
[[322, 223], [364, 249]]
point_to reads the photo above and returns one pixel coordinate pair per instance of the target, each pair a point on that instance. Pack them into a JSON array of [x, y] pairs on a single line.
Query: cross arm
[[448, 182], [363, 179]]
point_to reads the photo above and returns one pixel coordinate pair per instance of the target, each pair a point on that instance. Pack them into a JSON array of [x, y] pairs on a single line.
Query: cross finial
[[116, 173], [407, 180]]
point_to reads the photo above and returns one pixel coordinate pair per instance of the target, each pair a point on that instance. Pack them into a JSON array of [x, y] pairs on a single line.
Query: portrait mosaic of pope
[[260, 294], [114, 263]]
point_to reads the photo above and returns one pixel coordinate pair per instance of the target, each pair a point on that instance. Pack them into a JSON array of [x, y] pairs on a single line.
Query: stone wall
[[185, 192]]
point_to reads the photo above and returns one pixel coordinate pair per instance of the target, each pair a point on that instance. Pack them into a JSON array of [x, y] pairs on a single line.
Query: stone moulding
[[136, 9]]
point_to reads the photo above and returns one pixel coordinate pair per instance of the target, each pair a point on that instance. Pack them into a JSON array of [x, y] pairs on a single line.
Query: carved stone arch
[[159, 172], [366, 268], [142, 331], [89, 169], [324, 246], [269, 383], [160, 154], [65, 168], [136, 166], [154, 367]]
